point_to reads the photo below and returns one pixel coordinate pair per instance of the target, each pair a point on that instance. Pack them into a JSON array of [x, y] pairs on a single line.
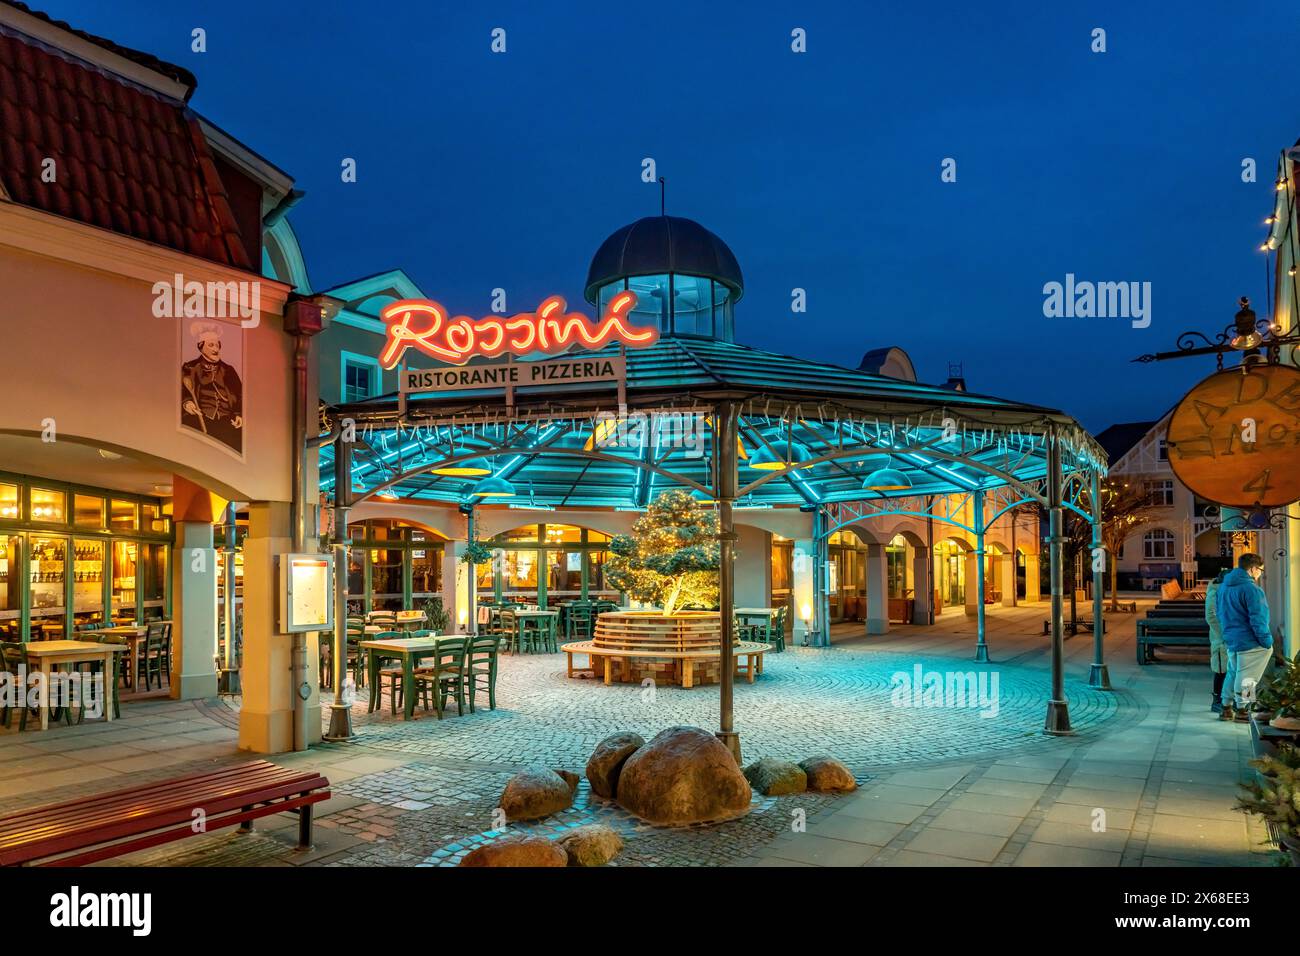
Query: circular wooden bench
[[685, 648], [616, 658]]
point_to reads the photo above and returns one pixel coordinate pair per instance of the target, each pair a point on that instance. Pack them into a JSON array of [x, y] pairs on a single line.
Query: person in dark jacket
[[1242, 611], [1219, 656]]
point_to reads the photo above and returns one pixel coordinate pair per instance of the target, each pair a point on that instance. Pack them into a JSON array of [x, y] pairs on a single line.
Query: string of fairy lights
[[1284, 206]]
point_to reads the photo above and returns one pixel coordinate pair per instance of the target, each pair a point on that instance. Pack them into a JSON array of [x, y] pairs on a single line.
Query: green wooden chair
[[444, 676], [149, 664], [356, 633], [14, 657], [511, 630], [578, 621], [481, 665], [776, 635], [548, 632], [392, 672]]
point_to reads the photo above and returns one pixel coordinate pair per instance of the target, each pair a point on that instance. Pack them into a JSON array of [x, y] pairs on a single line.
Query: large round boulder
[[517, 851], [591, 845], [684, 775], [776, 778], [607, 761], [536, 793], [828, 774]]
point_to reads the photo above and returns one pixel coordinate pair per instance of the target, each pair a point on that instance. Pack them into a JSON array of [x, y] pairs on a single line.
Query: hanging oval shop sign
[[1234, 439]]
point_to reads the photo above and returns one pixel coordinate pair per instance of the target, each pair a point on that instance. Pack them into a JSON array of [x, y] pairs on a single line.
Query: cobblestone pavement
[[808, 701], [940, 785]]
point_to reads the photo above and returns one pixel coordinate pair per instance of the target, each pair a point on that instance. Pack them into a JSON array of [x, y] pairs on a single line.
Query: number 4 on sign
[[1259, 484]]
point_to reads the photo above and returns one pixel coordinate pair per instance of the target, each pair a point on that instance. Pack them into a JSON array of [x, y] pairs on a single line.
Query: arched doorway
[[950, 574], [846, 582], [546, 562], [393, 564]]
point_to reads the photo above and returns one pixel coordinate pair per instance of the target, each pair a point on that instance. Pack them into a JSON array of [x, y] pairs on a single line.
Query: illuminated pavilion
[[771, 437]]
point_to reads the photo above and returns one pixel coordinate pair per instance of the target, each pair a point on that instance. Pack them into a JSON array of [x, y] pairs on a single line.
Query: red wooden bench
[[105, 825]]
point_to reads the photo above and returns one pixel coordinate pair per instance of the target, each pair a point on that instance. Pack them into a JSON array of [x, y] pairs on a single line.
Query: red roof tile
[[127, 159], [148, 60]]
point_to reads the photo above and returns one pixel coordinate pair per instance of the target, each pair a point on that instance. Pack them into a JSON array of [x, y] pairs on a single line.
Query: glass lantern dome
[[686, 279]]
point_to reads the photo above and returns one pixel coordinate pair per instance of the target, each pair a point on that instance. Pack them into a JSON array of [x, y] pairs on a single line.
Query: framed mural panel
[[210, 391]]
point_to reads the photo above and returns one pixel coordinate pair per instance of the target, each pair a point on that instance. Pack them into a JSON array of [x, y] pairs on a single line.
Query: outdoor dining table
[[134, 634], [757, 616], [553, 617], [406, 649], [46, 655]]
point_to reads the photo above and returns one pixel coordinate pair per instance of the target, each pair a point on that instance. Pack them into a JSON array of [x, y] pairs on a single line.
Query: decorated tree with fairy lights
[[671, 558]]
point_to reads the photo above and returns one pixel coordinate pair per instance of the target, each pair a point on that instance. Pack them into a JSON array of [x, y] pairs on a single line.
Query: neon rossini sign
[[424, 325]]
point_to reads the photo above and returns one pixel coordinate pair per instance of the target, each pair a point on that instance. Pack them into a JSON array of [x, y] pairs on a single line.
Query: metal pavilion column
[[471, 622], [1058, 710], [1098, 675], [821, 602], [725, 483], [981, 635], [340, 711]]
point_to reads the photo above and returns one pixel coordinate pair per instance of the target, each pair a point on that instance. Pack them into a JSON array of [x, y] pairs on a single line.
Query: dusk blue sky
[[821, 170]]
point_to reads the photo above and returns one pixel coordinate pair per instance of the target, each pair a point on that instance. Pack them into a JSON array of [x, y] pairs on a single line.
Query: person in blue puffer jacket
[[1242, 610]]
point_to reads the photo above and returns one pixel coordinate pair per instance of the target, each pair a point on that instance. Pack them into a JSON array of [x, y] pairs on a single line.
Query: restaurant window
[[596, 573], [356, 569], [360, 378], [782, 572], [122, 515], [153, 584], [485, 577], [9, 502], [125, 557], [521, 573], [896, 563], [49, 565], [153, 519], [11, 589], [87, 581], [49, 505], [426, 567], [88, 511], [564, 576], [385, 579]]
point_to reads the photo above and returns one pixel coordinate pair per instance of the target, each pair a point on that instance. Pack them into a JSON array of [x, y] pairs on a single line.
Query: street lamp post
[[228, 682], [1058, 709], [726, 486], [340, 728], [1098, 675]]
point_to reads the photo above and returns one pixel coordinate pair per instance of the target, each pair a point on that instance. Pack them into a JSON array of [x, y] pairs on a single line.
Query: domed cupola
[[685, 278]]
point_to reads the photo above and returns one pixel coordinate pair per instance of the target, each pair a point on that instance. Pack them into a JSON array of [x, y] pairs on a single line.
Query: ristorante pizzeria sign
[[512, 375]]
